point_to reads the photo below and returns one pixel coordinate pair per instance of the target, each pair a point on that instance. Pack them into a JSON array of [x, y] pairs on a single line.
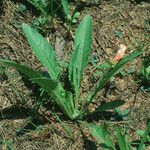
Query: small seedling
[[69, 100], [73, 18], [118, 34], [70, 18], [22, 8]]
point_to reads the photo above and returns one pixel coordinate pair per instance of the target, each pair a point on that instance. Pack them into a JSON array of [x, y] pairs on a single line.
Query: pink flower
[[120, 52]]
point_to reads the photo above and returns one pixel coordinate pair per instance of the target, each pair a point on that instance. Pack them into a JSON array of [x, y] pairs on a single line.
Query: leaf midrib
[[53, 72], [82, 52]]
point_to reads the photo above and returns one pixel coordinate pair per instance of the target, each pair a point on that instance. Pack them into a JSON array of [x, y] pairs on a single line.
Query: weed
[[73, 18], [145, 73], [47, 10], [105, 140], [22, 8], [6, 144], [69, 100], [40, 5]]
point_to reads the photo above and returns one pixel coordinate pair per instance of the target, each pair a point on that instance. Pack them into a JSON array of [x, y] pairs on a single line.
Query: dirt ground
[[114, 22]]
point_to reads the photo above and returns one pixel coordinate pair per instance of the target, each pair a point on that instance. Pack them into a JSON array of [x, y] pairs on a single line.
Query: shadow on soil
[[34, 119], [106, 115], [89, 145], [1, 8], [140, 1]]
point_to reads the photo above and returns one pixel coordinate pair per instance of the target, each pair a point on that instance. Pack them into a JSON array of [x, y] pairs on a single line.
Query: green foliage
[[113, 69], [81, 52], [47, 9], [25, 70], [122, 140], [141, 133], [122, 113], [104, 139], [118, 34], [102, 135], [41, 20], [43, 50], [144, 137], [6, 144], [40, 5], [73, 18], [22, 8], [145, 72], [69, 100], [65, 6]]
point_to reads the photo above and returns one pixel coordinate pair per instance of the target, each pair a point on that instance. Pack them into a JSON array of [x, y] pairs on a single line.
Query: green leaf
[[40, 5], [53, 87], [76, 15], [65, 7], [107, 138], [102, 136], [103, 66], [46, 83], [43, 50], [59, 95], [141, 133], [144, 137], [122, 113], [97, 132], [102, 81], [145, 70], [122, 140], [79, 59], [23, 69]]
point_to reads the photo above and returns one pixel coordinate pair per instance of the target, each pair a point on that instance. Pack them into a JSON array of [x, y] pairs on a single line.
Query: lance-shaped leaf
[[122, 140], [102, 81], [102, 136], [43, 50], [65, 6], [82, 46], [22, 68]]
